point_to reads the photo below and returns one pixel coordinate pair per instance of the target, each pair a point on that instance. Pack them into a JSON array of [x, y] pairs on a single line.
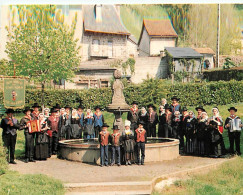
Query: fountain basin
[[156, 150]]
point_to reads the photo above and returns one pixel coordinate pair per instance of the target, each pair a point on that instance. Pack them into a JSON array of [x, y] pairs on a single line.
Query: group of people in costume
[[198, 134]]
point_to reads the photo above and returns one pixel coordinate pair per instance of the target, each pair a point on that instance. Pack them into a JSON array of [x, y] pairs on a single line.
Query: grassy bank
[[227, 179]]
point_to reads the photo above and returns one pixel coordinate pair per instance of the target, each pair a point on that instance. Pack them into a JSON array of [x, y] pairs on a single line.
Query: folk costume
[[89, 126], [176, 125], [166, 123], [128, 144], [9, 134], [143, 117], [234, 125], [81, 123], [216, 130], [115, 140], [65, 125], [75, 124], [152, 122], [35, 114], [98, 121], [133, 116], [42, 140], [140, 139], [190, 133], [182, 132], [175, 106], [202, 136], [53, 132], [29, 137], [104, 141]]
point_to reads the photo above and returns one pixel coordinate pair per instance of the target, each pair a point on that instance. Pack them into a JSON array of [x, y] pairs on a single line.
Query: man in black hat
[[166, 121], [115, 139], [98, 121], [52, 122], [81, 119], [184, 117], [234, 125], [152, 121], [133, 116], [175, 106], [36, 111], [199, 110], [10, 125], [29, 137], [140, 138], [65, 121]]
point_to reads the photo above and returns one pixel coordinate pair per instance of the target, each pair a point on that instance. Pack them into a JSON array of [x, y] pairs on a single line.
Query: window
[[96, 44]]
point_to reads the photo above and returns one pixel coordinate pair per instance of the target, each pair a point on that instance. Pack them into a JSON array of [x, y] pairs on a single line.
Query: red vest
[[116, 139], [104, 138], [54, 123], [140, 135]]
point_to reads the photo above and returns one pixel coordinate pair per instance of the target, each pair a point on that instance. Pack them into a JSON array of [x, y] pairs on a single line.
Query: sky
[[75, 2]]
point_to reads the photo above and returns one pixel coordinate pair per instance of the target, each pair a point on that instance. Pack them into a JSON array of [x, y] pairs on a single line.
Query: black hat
[[151, 105], [174, 97], [36, 105], [232, 108], [135, 102], [105, 125], [141, 123], [167, 107], [184, 109], [81, 106], [53, 110], [200, 107], [116, 127], [67, 106], [27, 109], [57, 106], [97, 107], [9, 111]]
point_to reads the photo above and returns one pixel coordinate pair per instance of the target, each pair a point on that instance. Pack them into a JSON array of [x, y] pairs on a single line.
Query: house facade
[[155, 36]]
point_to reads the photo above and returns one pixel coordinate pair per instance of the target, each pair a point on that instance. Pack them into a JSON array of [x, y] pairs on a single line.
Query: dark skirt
[[41, 151], [75, 131]]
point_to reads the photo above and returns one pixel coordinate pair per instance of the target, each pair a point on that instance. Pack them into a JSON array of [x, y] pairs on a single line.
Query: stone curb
[[146, 183]]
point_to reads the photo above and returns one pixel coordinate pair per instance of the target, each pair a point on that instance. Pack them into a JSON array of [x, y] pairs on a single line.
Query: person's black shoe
[[118, 164], [101, 165], [26, 160], [54, 153], [112, 164], [12, 162], [32, 160], [107, 165]]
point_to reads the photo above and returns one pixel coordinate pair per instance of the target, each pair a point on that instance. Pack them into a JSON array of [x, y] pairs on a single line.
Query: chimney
[[118, 6], [98, 13]]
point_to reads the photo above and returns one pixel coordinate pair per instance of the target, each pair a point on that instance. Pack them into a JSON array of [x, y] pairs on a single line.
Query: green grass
[[227, 179]]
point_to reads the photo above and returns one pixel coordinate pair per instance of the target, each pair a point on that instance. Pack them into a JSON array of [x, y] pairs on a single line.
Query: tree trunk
[[42, 94]]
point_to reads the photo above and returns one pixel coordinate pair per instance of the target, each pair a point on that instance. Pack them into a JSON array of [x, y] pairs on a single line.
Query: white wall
[[158, 44]]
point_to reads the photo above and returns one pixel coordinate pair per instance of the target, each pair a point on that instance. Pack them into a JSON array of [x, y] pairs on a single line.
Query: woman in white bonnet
[[215, 123], [128, 140]]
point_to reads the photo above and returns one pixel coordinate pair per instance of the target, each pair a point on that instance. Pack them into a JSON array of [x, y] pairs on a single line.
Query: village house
[[184, 60], [104, 35], [208, 55], [155, 36]]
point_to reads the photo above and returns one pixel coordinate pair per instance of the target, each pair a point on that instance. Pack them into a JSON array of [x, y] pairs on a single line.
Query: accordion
[[235, 125], [34, 126]]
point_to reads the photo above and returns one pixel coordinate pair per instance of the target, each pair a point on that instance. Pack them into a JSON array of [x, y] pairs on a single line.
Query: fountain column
[[118, 105]]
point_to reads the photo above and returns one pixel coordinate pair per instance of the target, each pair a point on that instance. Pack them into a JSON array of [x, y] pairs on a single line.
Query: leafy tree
[[41, 45]]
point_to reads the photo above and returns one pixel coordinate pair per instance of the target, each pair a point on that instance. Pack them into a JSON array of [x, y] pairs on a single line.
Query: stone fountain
[[118, 105]]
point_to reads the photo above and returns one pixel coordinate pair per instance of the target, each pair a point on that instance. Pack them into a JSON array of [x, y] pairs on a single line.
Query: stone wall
[[236, 59]]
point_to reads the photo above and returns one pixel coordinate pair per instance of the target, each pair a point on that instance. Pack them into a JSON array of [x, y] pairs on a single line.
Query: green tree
[[41, 45]]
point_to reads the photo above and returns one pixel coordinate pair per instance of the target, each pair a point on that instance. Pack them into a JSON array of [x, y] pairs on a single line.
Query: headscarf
[[215, 108]]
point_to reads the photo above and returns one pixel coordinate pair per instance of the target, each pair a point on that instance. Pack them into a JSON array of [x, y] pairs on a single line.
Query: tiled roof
[[110, 22], [179, 52], [161, 28], [204, 50]]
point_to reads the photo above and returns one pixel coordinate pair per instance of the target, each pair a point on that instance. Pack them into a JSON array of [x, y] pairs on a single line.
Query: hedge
[[224, 75], [150, 91]]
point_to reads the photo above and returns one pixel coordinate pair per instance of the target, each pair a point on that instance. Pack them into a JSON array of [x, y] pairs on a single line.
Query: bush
[[150, 91], [3, 161], [224, 75]]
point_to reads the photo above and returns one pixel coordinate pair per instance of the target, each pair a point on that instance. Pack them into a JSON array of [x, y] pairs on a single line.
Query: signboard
[[14, 93]]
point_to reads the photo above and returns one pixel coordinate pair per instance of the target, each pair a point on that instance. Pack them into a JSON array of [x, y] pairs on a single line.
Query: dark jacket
[[9, 129]]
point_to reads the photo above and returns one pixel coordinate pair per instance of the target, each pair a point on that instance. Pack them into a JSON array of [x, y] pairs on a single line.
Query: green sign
[[14, 93]]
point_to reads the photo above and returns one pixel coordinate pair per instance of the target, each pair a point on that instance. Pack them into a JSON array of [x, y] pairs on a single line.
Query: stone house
[[208, 54], [180, 56], [104, 35], [155, 36]]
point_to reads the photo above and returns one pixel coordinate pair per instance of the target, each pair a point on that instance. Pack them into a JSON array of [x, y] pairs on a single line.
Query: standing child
[[140, 138], [104, 141], [115, 139]]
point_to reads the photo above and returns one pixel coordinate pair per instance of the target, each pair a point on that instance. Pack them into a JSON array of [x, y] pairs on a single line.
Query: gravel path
[[76, 172]]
